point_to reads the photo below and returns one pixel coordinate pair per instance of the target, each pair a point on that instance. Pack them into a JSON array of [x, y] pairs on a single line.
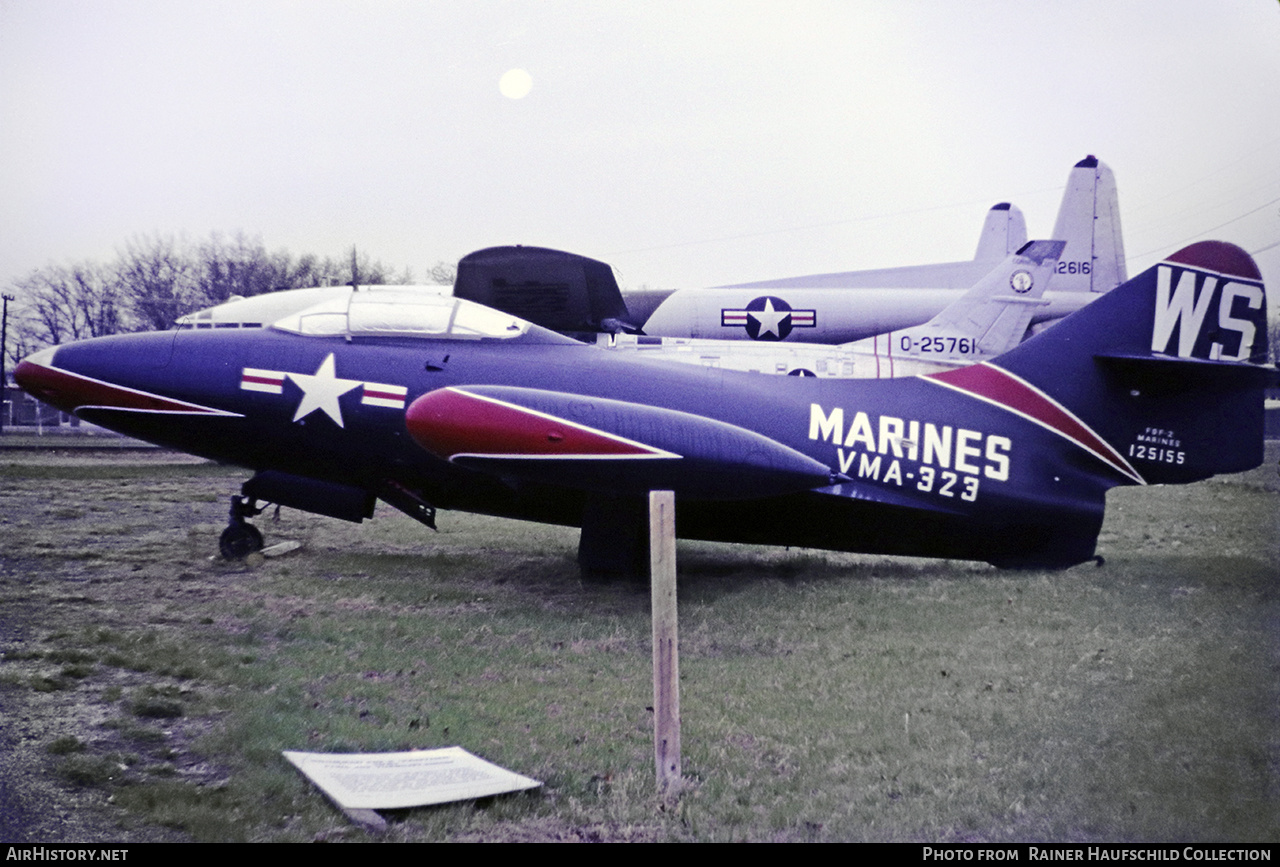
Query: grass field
[[148, 691]]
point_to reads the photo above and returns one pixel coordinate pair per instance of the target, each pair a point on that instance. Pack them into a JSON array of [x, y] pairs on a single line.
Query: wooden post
[[666, 654]]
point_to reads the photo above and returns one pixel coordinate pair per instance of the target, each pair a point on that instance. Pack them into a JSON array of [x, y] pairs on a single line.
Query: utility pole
[[4, 345]]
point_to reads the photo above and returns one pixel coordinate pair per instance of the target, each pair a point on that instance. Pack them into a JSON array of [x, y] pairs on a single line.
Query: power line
[[1201, 234], [844, 222], [1265, 146]]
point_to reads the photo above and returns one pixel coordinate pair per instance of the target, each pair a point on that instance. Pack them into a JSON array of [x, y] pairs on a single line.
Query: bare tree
[[159, 279], [238, 266], [69, 303], [310, 270], [154, 280], [369, 272], [443, 273]]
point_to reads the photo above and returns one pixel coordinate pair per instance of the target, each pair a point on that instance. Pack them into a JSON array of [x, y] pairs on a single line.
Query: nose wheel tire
[[239, 541]]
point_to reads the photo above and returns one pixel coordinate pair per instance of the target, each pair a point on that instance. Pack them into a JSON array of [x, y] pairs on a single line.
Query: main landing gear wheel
[[239, 541]]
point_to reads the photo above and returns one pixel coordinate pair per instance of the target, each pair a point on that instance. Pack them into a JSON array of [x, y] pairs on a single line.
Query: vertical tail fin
[[1089, 221], [992, 317], [1003, 232], [1161, 379]]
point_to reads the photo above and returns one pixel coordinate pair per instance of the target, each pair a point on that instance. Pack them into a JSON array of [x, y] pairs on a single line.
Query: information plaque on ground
[[392, 781]]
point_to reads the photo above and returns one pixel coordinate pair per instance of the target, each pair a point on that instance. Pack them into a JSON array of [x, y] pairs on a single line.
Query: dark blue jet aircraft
[[428, 401]]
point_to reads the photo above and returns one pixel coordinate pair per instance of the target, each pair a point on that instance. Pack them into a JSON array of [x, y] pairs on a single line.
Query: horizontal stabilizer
[[1158, 374]]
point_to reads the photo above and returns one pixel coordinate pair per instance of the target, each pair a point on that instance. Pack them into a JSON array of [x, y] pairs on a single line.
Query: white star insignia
[[769, 318], [321, 390]]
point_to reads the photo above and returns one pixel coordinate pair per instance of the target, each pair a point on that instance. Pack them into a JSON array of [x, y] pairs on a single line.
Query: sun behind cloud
[[515, 84]]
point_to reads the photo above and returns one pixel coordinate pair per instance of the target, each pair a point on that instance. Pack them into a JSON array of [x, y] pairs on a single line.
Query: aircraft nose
[[36, 376], [108, 372]]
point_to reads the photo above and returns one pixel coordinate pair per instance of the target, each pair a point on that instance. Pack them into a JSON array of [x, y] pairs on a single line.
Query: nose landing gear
[[241, 538]]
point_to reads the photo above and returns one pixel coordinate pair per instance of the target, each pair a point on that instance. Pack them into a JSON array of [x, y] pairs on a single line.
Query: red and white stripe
[[375, 393], [268, 381], [382, 394]]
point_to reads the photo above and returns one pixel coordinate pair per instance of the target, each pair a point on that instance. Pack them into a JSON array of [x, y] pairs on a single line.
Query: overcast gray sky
[[686, 143]]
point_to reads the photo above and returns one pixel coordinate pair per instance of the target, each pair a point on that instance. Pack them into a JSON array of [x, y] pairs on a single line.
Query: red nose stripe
[[449, 422], [70, 391]]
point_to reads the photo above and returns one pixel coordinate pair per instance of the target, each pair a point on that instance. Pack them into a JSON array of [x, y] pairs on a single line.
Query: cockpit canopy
[[259, 311], [369, 311], [397, 311]]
